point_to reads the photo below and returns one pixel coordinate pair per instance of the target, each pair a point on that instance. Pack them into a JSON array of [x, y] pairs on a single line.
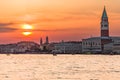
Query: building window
[[99, 44], [106, 25], [93, 43], [89, 43], [96, 44], [83, 43]]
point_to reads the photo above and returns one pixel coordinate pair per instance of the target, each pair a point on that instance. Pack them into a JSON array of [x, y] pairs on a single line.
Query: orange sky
[[58, 19]]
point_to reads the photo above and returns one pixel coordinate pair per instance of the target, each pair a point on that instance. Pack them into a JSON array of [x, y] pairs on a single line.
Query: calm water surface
[[60, 67]]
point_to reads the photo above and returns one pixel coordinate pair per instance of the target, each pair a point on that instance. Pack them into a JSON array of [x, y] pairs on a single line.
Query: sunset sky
[[59, 19]]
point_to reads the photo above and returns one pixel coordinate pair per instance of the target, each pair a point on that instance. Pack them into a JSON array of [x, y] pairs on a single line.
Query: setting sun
[[27, 33], [27, 27]]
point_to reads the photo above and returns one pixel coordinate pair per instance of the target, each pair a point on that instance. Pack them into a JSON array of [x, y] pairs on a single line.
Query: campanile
[[104, 25]]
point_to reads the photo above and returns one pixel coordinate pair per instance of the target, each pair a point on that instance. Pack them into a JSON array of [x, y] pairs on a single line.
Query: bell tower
[[105, 39], [104, 25]]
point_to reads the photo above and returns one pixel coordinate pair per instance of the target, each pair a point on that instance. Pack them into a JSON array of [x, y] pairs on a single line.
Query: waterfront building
[[108, 48], [68, 47], [9, 48], [20, 47], [91, 45], [26, 46], [116, 47], [102, 43], [44, 46]]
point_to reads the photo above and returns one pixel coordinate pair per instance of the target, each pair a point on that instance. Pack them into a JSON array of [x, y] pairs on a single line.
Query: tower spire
[[104, 15]]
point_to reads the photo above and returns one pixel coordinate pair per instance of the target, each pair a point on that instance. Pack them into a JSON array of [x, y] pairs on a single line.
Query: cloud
[[7, 29], [55, 30], [57, 16], [5, 24], [4, 27], [65, 16]]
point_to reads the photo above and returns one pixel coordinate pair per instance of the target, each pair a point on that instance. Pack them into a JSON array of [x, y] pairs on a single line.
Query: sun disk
[[27, 33], [27, 27]]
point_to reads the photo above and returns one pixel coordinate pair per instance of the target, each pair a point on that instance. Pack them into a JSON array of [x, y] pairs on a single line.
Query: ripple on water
[[47, 67]]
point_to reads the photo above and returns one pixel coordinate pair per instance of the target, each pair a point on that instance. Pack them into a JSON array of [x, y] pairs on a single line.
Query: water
[[60, 67]]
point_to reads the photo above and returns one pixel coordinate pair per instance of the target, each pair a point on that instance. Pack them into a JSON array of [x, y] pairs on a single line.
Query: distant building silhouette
[[47, 40], [44, 46], [68, 47], [20, 47], [41, 41]]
